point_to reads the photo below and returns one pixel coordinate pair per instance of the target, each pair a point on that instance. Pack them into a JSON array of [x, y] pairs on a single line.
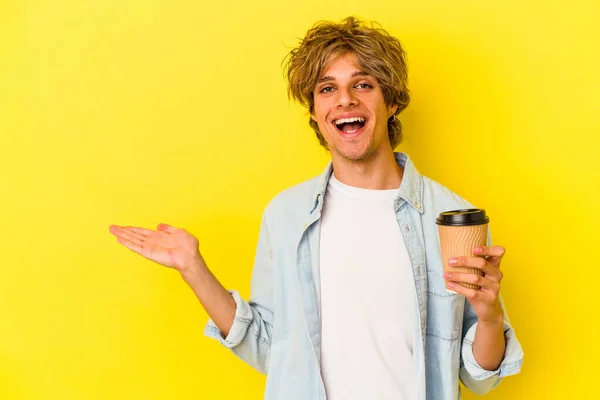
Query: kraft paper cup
[[460, 231]]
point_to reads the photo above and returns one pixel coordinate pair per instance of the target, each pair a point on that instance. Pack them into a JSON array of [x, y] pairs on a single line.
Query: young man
[[348, 297]]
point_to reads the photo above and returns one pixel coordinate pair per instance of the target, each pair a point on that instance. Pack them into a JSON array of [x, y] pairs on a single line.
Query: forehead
[[341, 65]]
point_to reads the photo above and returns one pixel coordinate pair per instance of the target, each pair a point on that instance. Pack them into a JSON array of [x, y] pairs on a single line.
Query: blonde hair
[[378, 53]]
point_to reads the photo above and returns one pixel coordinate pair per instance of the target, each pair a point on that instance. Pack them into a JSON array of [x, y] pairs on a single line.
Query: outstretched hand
[[168, 246]]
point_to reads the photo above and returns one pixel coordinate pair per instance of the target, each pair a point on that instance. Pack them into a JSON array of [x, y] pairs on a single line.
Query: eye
[[326, 89], [364, 86]]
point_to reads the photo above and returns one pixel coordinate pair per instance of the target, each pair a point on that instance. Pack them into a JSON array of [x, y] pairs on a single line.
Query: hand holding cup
[[471, 269]]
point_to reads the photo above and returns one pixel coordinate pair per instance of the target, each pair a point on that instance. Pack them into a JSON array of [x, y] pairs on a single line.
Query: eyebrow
[[328, 78]]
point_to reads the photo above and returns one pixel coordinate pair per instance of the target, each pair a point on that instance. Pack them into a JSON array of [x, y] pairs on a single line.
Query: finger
[[114, 229], [470, 294], [166, 228], [117, 230], [131, 236], [493, 254], [484, 281], [135, 247], [140, 231], [479, 263], [491, 251]]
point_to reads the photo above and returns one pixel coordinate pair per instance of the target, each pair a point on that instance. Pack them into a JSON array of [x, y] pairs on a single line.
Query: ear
[[392, 110]]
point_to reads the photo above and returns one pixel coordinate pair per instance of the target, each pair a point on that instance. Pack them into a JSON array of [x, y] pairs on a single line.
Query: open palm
[[168, 246]]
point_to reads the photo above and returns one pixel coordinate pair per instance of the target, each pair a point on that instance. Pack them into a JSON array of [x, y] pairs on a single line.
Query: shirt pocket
[[444, 310]]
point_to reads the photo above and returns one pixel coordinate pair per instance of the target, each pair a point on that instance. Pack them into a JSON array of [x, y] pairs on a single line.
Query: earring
[[393, 118]]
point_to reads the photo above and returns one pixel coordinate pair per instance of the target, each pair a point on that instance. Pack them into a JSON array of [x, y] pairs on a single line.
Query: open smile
[[350, 127]]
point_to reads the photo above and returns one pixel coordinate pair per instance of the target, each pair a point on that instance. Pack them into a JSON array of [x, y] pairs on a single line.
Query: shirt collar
[[411, 188]]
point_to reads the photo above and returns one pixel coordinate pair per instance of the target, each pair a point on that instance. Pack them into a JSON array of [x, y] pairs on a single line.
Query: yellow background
[[142, 112]]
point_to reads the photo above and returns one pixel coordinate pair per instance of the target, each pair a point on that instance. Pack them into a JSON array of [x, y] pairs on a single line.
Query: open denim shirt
[[278, 330]]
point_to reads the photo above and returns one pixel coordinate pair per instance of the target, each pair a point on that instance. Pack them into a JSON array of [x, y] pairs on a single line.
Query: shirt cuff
[[241, 321], [510, 365]]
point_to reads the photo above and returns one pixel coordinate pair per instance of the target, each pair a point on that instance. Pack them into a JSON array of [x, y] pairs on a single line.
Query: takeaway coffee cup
[[460, 231]]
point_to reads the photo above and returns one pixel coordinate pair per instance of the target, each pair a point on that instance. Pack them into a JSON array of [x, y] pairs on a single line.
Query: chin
[[354, 154]]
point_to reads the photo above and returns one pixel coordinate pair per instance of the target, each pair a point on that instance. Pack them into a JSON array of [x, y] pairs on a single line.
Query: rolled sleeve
[[480, 380], [473, 376], [241, 322]]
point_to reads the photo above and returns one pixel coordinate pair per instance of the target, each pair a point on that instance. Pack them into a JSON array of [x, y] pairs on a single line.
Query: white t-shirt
[[367, 297]]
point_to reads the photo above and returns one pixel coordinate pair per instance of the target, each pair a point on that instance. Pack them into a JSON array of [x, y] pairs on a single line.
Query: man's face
[[351, 112]]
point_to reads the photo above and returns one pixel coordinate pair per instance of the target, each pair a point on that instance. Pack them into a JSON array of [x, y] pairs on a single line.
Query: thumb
[[166, 228]]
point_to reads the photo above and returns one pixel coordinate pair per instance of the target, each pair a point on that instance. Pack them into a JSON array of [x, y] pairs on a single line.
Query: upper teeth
[[349, 120]]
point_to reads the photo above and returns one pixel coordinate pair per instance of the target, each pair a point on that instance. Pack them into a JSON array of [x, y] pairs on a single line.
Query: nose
[[346, 98]]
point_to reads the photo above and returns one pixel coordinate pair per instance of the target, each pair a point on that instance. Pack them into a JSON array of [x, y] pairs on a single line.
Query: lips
[[349, 125]]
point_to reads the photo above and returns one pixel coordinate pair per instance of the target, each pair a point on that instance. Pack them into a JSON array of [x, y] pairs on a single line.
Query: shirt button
[[418, 205]]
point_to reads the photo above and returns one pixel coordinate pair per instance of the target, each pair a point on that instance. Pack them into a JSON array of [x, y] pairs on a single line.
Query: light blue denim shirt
[[278, 330]]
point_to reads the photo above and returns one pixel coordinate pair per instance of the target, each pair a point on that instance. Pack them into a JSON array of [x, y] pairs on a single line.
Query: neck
[[378, 173]]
